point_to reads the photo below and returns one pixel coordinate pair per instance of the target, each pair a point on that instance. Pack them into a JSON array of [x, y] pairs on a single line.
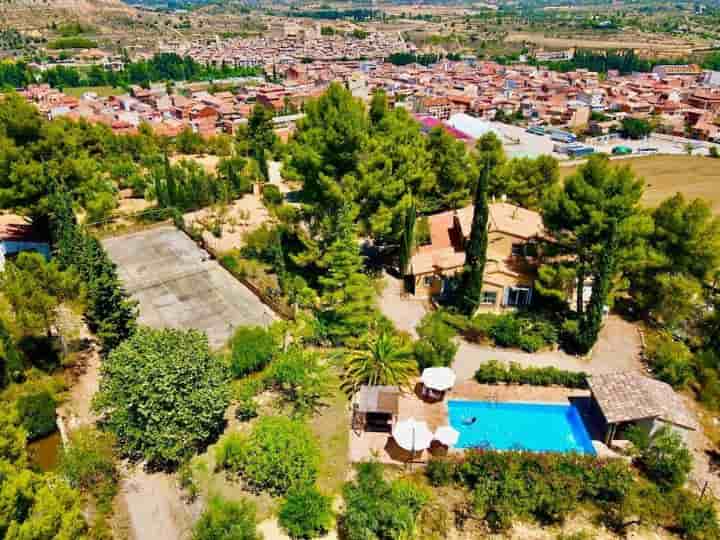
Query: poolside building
[[627, 398]]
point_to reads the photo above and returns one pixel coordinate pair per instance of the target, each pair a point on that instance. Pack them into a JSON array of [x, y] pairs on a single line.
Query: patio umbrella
[[438, 378], [412, 435], [447, 435]]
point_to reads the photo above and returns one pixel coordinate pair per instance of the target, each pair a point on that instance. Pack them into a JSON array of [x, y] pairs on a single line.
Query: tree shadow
[[42, 352]]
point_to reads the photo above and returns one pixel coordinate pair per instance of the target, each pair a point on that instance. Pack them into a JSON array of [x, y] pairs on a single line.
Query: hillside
[[26, 15]]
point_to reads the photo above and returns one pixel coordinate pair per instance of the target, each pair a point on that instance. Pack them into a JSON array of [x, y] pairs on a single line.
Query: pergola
[[375, 407], [631, 398]]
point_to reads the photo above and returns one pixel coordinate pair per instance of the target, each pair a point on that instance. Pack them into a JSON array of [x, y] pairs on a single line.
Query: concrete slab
[[178, 285]]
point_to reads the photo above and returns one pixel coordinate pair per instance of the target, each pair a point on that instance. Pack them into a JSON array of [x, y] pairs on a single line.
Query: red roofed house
[[509, 269]]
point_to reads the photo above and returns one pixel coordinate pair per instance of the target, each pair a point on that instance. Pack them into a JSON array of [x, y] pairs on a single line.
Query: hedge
[[494, 371]]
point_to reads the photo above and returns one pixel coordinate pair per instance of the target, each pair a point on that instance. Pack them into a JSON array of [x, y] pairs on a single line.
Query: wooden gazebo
[[375, 408]]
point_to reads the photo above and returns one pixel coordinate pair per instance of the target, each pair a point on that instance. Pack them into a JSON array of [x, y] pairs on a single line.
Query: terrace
[[380, 445]]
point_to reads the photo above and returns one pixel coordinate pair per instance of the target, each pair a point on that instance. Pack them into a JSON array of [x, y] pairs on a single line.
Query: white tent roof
[[412, 435], [475, 127], [447, 435], [438, 378]]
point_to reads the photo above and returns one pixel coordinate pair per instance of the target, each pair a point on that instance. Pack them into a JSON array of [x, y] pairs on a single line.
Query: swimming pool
[[528, 426]]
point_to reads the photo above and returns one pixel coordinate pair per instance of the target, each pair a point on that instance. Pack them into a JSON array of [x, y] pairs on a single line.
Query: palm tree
[[384, 360]]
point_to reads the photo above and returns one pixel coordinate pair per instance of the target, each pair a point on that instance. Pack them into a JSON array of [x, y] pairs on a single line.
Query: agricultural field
[[693, 176]]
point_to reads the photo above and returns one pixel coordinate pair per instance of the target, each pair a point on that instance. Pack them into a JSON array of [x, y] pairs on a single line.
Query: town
[[296, 272]]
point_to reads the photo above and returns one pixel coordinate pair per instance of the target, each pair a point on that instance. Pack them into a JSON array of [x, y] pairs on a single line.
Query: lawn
[[101, 91], [693, 176]]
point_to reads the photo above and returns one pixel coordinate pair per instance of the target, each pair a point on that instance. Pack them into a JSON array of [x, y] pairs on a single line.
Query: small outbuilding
[[628, 398], [375, 408]]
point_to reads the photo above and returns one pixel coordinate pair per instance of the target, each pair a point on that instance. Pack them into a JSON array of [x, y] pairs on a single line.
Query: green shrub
[[671, 360], [666, 460], [88, 464], [301, 378], [506, 330], [375, 508], [187, 482], [245, 392], [440, 472], [494, 371], [435, 346], [306, 513], [252, 348], [271, 195], [480, 327], [278, 454], [713, 152], [37, 414], [227, 520], [698, 520]]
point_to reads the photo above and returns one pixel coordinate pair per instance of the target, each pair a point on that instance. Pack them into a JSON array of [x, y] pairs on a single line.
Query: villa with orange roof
[[510, 267]]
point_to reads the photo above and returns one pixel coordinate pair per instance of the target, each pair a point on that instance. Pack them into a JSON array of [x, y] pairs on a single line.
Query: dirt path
[[154, 506], [148, 506]]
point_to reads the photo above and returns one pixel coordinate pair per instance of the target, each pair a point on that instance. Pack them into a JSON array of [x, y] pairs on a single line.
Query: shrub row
[[547, 487], [110, 312], [494, 371]]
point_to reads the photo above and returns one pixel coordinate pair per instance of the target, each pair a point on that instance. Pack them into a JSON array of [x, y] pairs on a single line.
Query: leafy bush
[[494, 371], [375, 508], [227, 520], [527, 331], [666, 460], [301, 378], [506, 330], [271, 195], [252, 348], [440, 472], [262, 243], [187, 481], [37, 413], [671, 360], [435, 346], [547, 487], [88, 464], [245, 393], [278, 454], [698, 520], [306, 513], [163, 395]]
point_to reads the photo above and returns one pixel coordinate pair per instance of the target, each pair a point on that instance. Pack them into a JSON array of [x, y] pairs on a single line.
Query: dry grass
[[693, 176]]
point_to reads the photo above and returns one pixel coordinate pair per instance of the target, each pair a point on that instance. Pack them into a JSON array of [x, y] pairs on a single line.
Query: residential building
[[510, 270]]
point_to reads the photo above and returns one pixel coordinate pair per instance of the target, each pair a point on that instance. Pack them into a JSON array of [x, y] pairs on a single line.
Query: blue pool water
[[527, 426]]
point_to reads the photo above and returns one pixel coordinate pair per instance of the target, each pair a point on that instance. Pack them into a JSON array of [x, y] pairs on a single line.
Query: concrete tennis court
[[179, 286]]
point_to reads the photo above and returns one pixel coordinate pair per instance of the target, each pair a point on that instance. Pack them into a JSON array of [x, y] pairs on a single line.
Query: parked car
[[621, 150]]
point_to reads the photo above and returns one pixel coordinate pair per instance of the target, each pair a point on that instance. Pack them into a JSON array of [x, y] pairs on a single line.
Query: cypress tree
[[591, 319], [407, 241], [474, 270]]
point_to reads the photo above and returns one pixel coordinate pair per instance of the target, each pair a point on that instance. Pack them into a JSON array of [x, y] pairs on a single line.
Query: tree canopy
[[163, 395]]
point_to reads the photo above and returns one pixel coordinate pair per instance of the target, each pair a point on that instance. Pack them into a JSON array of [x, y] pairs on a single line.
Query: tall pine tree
[[596, 222], [347, 302]]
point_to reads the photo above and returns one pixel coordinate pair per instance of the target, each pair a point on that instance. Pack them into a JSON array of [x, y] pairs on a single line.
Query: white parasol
[[447, 435], [438, 378], [412, 435]]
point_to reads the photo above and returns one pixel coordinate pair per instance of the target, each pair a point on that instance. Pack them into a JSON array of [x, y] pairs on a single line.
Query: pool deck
[[381, 446]]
